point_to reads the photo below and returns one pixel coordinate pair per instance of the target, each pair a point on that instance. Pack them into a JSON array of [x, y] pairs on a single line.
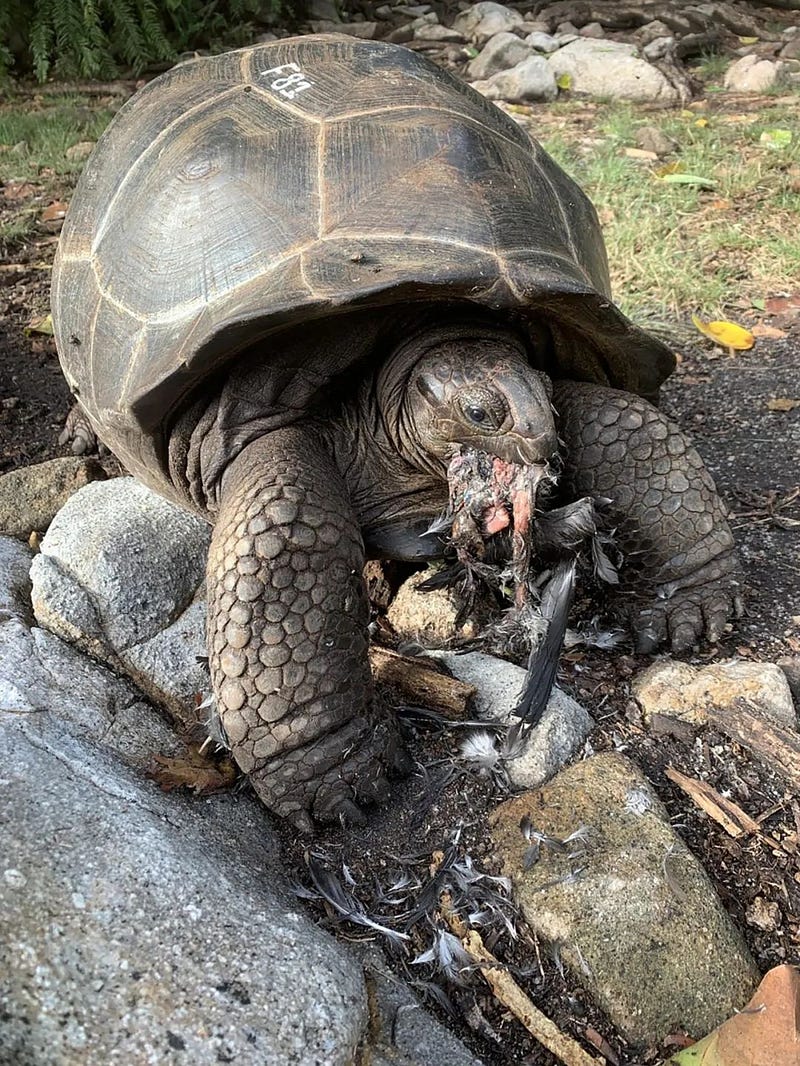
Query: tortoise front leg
[[670, 522], [287, 634]]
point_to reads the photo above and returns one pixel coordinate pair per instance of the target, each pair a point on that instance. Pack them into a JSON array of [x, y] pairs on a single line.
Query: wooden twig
[[779, 748], [513, 998], [728, 814], [420, 682]]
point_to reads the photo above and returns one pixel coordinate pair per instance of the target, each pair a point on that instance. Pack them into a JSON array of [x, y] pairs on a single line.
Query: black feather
[[543, 662]]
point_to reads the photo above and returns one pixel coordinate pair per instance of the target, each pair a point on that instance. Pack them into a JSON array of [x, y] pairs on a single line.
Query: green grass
[[678, 247], [16, 231], [34, 138]]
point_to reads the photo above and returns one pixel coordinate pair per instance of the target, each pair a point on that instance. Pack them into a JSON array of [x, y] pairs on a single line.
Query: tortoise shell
[[241, 194]]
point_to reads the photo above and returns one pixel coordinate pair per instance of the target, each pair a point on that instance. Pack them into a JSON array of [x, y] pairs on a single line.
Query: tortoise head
[[479, 391]]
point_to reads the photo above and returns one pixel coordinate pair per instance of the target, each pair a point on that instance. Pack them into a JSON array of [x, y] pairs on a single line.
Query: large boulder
[[611, 69]]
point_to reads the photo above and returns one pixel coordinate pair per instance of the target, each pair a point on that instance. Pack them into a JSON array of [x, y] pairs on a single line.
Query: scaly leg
[[287, 634], [670, 522]]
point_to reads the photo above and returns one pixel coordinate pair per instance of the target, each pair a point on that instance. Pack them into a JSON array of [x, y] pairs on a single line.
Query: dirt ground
[[727, 405]]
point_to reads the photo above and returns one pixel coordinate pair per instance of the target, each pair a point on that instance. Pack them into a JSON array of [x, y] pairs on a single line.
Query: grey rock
[[430, 19], [152, 929], [483, 20], [640, 926], [400, 35], [39, 672], [535, 26], [126, 561], [365, 30], [504, 50], [384, 12], [428, 617], [652, 139], [558, 737], [592, 29], [611, 69], [651, 31], [791, 50], [438, 34], [542, 42], [751, 74], [31, 495], [658, 48], [790, 664], [413, 10], [567, 28], [325, 10], [528, 81], [403, 1031], [682, 691]]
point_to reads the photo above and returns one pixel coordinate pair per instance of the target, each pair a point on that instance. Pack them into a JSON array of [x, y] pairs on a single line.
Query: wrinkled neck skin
[[397, 490], [386, 445]]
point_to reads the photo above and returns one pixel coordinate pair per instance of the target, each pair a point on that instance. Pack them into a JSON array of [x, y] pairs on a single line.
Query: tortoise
[[294, 281]]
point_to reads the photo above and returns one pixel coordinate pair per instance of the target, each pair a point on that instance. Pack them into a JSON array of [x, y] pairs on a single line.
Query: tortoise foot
[[653, 490], [287, 635]]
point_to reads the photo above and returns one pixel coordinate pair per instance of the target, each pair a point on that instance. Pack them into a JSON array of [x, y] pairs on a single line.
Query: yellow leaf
[[640, 153], [727, 334], [701, 122], [669, 168], [749, 40], [564, 81], [782, 403]]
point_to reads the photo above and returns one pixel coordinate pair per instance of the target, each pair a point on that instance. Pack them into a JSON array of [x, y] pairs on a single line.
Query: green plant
[[95, 38]]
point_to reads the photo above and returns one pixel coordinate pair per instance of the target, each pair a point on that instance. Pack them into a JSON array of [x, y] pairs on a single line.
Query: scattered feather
[[448, 956], [345, 903]]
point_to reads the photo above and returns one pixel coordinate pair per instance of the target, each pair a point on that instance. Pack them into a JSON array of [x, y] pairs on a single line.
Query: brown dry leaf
[[53, 212], [781, 305], [761, 330], [18, 190], [765, 1033], [196, 770], [721, 204], [727, 334], [602, 1045], [782, 403], [641, 153]]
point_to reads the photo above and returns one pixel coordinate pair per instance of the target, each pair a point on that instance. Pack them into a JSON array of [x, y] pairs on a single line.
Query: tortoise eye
[[483, 408]]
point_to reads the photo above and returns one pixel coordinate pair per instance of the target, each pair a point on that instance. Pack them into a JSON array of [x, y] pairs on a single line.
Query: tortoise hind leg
[[287, 634], [670, 522]]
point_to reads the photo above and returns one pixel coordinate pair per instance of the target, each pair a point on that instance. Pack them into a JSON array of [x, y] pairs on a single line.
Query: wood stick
[[728, 814], [420, 682], [513, 998], [778, 747]]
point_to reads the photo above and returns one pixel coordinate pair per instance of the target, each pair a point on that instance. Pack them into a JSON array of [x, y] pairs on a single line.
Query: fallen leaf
[[41, 324], [762, 330], [564, 81], [726, 334], [687, 179], [53, 212], [669, 168], [776, 138], [748, 40], [19, 190], [779, 305], [765, 1033], [640, 153], [782, 403], [721, 204], [196, 770], [602, 1045]]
